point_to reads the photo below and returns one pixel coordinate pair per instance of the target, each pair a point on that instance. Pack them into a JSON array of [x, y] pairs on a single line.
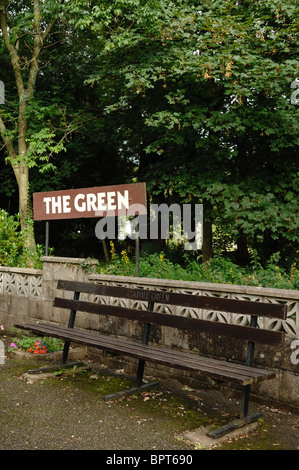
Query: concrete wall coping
[[24, 271], [65, 260], [194, 285]]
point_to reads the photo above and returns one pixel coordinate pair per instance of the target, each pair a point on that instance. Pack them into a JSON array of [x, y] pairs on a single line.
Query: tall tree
[[210, 83], [25, 27]]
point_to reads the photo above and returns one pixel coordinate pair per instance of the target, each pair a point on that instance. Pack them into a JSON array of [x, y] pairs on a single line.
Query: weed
[[219, 270]]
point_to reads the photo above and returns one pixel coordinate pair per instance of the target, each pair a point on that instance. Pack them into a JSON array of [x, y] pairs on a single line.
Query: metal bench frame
[[232, 372]]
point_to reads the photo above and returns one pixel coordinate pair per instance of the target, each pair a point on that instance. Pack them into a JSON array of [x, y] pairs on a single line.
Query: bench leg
[[140, 371], [245, 401], [139, 385], [238, 423], [141, 363], [129, 391], [56, 367], [65, 352], [64, 364]]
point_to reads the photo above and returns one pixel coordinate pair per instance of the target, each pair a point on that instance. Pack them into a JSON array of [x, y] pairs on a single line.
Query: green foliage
[[191, 97], [13, 249], [211, 85], [33, 343], [10, 240], [217, 270]]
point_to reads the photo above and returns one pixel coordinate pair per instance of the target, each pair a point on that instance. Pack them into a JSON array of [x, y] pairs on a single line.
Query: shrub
[[36, 345], [11, 242], [13, 251], [217, 270]]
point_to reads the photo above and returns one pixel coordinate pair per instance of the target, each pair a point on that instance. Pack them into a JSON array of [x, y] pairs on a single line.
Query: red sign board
[[126, 199]]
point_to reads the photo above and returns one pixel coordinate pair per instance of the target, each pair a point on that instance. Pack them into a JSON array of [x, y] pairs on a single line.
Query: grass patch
[[156, 403], [264, 438], [92, 382]]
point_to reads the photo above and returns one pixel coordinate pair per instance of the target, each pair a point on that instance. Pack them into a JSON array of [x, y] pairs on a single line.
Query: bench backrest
[[247, 333]]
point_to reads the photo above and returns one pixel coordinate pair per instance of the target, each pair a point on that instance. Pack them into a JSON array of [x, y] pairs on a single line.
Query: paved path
[[44, 416]]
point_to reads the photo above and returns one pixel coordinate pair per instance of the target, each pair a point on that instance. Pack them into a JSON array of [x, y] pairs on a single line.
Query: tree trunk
[[242, 249], [21, 171], [25, 209], [17, 154]]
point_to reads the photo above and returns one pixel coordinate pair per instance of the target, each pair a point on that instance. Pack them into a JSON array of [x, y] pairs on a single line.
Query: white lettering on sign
[[66, 204], [101, 198], [47, 202], [110, 200], [123, 200], [82, 206], [89, 202], [104, 201], [58, 205]]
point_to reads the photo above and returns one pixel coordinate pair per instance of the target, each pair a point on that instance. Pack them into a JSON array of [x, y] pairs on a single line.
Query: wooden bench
[[232, 372]]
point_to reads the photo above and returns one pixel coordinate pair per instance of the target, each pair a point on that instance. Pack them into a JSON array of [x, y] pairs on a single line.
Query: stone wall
[[27, 294]]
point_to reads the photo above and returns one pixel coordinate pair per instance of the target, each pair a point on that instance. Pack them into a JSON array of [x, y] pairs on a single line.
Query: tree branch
[[39, 41], [11, 49], [37, 47], [50, 26], [10, 148], [6, 139]]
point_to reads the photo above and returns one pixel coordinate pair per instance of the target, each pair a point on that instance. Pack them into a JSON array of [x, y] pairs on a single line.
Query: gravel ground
[[44, 416]]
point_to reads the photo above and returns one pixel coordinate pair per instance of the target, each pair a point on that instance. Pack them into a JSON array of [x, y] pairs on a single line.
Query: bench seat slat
[[207, 366], [245, 307], [176, 321]]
